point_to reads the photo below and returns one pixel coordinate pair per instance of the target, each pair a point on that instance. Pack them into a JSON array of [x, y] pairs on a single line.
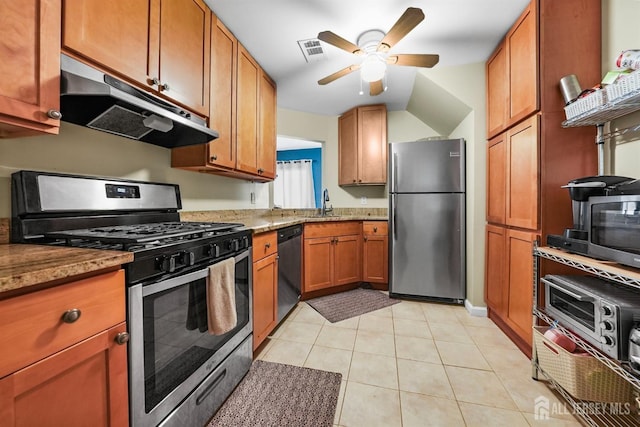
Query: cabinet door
[[265, 298], [29, 66], [496, 173], [118, 35], [375, 259], [520, 282], [372, 144], [523, 175], [348, 148], [247, 112], [497, 91], [222, 115], [522, 51], [185, 36], [496, 289], [83, 385], [347, 261], [318, 263], [267, 128]]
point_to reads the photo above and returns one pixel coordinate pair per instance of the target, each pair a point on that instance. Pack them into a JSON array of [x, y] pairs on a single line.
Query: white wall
[[85, 151], [620, 32]]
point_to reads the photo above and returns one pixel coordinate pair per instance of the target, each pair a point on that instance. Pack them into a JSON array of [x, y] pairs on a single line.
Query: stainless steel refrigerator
[[427, 241]]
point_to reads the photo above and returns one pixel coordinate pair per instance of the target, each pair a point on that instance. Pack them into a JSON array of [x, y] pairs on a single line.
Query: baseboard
[[475, 311]]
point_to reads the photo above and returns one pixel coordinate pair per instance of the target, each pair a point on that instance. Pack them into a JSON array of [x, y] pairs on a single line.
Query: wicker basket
[[584, 377], [585, 104]]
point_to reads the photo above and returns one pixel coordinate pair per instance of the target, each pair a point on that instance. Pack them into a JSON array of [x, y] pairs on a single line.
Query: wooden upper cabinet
[[523, 175], [496, 175], [267, 127], [362, 146], [222, 116], [163, 46], [30, 67], [522, 51], [348, 148], [497, 91], [247, 110]]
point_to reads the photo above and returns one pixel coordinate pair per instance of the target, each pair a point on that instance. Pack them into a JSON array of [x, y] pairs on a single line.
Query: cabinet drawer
[[331, 229], [375, 228], [32, 326], [264, 244]]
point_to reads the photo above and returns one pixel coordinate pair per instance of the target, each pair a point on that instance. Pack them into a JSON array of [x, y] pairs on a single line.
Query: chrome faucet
[[325, 199]]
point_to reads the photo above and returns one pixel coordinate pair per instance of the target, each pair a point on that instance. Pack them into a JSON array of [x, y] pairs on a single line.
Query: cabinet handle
[[214, 158], [260, 170], [71, 316], [54, 114], [359, 180], [354, 180], [267, 245], [365, 238], [122, 338], [375, 229], [164, 87], [154, 81]]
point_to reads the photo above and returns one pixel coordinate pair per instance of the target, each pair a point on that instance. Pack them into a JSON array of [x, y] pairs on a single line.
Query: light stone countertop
[[23, 265]]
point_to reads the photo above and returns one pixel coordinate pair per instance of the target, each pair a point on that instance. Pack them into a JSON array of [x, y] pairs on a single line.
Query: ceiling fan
[[373, 46]]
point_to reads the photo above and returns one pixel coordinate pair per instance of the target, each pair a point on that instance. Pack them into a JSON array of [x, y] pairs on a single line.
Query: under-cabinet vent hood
[[96, 100]]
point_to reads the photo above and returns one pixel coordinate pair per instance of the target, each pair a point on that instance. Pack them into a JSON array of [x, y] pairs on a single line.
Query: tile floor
[[415, 364]]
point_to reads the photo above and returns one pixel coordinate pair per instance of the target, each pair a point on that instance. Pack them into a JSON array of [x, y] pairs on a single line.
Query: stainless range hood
[[96, 100]]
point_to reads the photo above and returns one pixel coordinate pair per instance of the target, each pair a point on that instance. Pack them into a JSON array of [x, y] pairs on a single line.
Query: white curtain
[[293, 186]]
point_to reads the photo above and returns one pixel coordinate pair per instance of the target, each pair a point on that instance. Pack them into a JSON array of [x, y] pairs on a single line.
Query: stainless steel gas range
[[179, 372]]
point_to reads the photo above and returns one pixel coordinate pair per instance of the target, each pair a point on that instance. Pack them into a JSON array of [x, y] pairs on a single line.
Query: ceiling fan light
[[373, 68]]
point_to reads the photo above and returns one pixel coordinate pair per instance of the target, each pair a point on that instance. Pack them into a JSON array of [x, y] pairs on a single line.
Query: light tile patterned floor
[[415, 364]]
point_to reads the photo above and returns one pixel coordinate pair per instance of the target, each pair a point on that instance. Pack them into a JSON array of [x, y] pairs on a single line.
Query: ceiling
[[460, 31]]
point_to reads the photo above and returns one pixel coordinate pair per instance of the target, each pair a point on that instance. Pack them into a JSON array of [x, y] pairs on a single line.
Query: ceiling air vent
[[312, 50]]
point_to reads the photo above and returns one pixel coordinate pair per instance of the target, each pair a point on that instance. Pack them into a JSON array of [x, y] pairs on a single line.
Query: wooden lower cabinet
[[496, 289], [509, 282], [332, 255], [83, 385], [265, 286], [375, 253], [61, 368]]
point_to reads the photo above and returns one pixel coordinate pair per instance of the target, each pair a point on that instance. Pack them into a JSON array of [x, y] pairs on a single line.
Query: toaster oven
[[599, 311]]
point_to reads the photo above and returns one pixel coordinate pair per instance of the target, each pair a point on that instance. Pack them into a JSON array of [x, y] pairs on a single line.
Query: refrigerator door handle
[[395, 208], [395, 172]]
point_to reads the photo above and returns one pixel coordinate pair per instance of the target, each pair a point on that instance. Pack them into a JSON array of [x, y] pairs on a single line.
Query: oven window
[[176, 339], [582, 312], [616, 225]]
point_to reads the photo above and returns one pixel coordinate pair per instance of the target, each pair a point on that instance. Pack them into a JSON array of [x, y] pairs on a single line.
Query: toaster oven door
[[573, 308]]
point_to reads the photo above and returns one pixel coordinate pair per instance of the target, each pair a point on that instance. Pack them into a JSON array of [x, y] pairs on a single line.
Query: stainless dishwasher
[[289, 268]]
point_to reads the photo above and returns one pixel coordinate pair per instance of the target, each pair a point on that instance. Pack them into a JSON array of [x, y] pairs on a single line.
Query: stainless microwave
[[601, 312], [613, 228]]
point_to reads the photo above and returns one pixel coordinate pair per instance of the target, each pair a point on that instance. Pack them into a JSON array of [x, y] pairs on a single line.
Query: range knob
[[606, 310], [607, 340], [214, 250], [606, 325], [234, 245]]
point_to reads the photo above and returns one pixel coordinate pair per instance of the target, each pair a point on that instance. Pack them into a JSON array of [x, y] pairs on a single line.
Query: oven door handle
[[579, 297]]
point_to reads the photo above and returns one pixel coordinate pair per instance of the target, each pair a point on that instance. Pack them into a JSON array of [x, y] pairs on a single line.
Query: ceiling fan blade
[[414, 60], [337, 41], [338, 74], [376, 88], [407, 22]]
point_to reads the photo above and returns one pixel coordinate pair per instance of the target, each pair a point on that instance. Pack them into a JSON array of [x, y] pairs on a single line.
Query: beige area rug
[[273, 394], [345, 305]]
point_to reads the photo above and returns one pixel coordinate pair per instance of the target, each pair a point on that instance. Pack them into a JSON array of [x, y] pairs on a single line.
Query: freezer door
[[427, 166], [427, 245]]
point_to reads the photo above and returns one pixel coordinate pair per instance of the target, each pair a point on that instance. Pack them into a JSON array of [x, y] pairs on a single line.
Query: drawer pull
[[122, 338], [267, 245], [71, 316], [366, 238], [375, 229]]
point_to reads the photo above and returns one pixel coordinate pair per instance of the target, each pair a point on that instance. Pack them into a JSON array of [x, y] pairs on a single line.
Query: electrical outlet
[[363, 200], [253, 198]]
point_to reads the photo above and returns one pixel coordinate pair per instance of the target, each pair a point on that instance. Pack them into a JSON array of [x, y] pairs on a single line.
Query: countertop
[[22, 265]]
